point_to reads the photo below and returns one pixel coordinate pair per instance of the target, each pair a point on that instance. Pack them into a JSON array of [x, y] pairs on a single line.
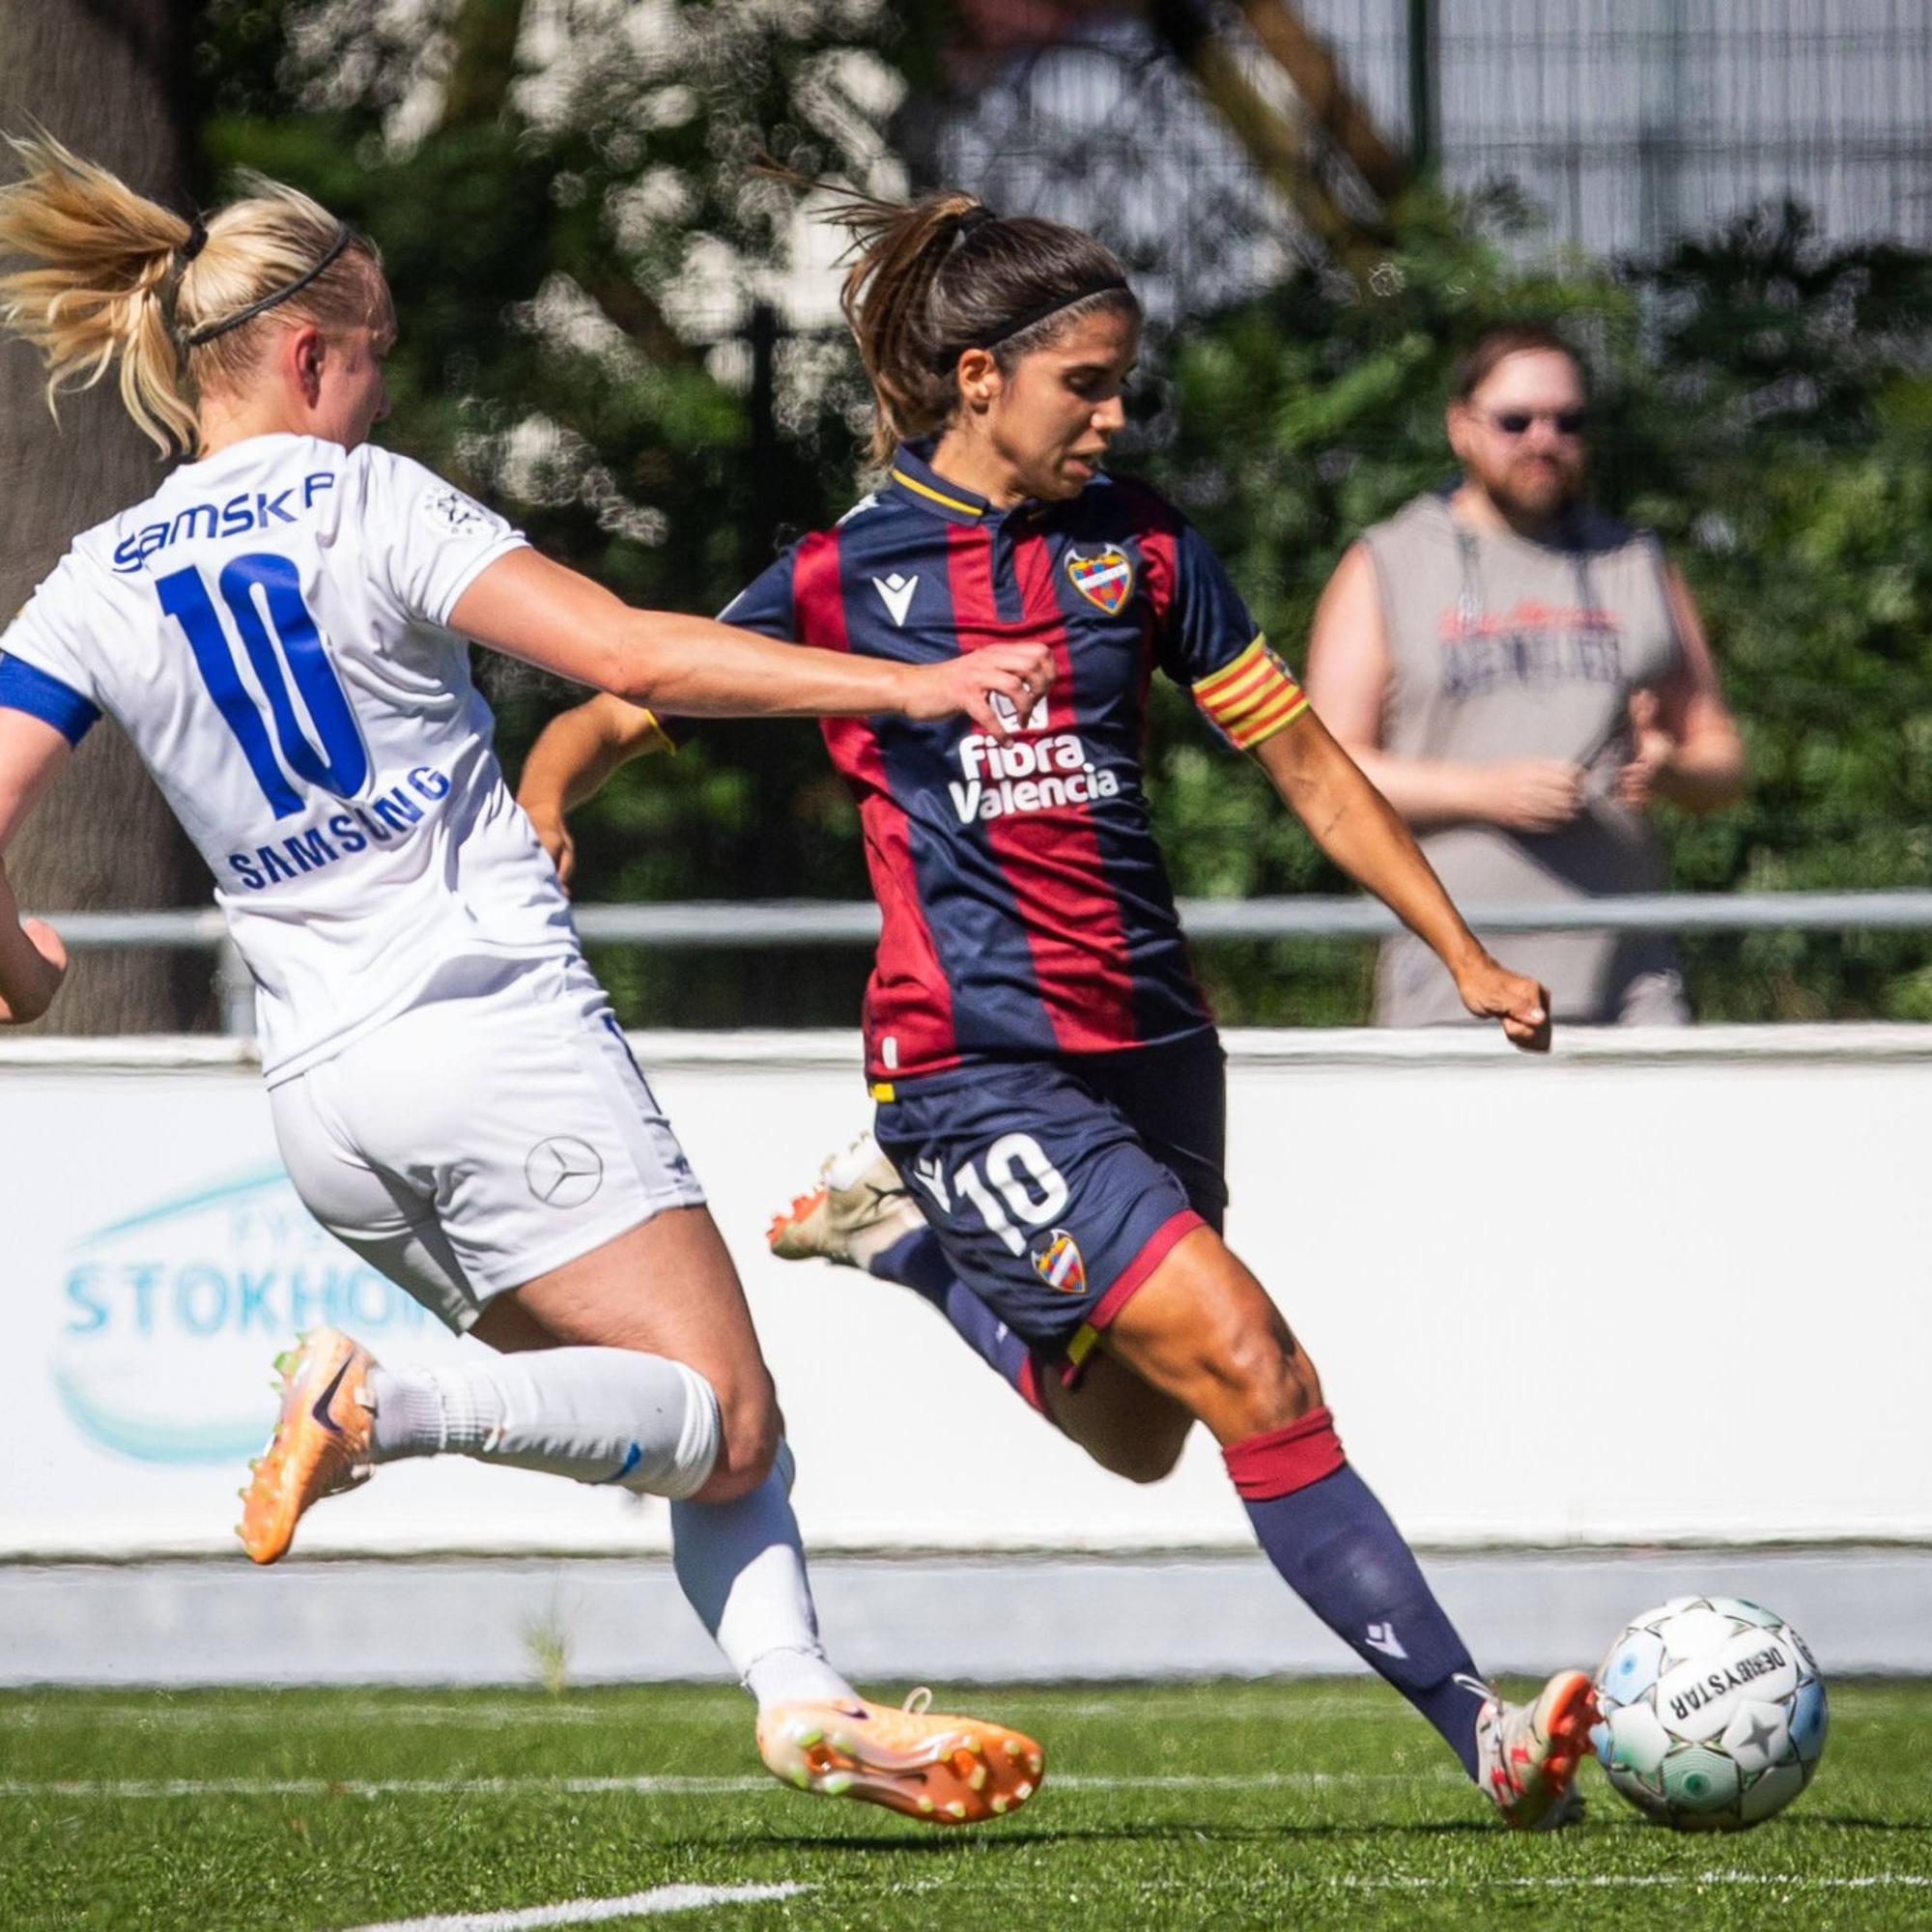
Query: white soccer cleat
[[1527, 1754], [858, 1210]]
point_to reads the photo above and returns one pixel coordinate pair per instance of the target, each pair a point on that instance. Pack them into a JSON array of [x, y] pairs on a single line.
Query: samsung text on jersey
[[390, 816]]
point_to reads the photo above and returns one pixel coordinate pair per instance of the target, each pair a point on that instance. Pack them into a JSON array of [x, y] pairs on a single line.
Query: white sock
[[742, 1567], [596, 1415]]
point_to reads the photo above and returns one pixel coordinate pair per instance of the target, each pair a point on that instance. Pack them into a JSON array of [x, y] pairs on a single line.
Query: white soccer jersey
[[271, 630]]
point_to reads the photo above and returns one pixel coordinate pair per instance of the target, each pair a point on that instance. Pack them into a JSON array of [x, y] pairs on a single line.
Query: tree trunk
[[113, 79]]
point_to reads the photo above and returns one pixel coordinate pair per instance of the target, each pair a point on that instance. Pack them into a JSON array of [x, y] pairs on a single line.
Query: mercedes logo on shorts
[[564, 1173]]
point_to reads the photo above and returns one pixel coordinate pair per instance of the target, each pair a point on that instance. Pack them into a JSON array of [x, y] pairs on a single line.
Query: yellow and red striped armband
[[1253, 698]]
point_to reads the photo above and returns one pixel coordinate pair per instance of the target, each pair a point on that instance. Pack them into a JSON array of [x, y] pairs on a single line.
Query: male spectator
[[1524, 676]]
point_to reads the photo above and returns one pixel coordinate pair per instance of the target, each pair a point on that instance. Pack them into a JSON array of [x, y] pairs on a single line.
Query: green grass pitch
[[1262, 1805]]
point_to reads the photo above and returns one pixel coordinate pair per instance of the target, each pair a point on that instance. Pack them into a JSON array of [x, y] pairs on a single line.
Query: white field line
[[1627, 1880], [1230, 1709], [141, 1716], [700, 1709], [589, 1911], [363, 1710], [138, 1788], [662, 1786]]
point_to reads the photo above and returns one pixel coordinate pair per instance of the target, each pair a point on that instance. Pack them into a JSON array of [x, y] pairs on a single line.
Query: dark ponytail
[[939, 275]]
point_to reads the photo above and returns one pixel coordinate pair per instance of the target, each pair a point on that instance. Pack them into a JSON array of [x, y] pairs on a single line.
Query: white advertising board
[[1664, 1287]]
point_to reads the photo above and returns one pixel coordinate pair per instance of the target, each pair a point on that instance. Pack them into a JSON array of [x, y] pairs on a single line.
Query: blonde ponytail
[[119, 278]]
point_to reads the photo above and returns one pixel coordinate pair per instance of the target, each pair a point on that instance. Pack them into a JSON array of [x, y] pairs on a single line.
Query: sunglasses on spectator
[[1517, 422]]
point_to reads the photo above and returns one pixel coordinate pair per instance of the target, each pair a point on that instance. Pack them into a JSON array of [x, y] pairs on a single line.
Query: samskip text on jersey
[[250, 510]]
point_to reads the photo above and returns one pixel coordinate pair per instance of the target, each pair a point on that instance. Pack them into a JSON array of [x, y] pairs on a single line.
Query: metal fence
[[1629, 123], [736, 924]]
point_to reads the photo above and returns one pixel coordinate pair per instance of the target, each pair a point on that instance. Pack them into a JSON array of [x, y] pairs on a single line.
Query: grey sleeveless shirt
[[1504, 648]]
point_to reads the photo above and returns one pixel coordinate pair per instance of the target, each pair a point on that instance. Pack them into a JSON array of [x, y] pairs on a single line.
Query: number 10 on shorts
[[1029, 1186]]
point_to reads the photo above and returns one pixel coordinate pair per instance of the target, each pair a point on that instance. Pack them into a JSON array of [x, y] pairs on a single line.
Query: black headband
[[947, 358], [208, 331], [1020, 324]]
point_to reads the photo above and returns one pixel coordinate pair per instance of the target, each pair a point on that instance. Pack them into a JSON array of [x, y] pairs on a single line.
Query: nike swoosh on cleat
[[320, 1409]]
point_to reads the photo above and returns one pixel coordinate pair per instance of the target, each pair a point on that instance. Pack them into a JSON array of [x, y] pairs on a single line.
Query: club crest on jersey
[[1106, 578], [1061, 1264]]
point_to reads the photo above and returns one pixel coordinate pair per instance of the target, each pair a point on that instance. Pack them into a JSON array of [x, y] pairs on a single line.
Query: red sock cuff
[[1285, 1459]]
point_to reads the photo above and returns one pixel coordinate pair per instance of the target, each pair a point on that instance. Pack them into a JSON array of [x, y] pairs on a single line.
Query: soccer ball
[[1713, 1714]]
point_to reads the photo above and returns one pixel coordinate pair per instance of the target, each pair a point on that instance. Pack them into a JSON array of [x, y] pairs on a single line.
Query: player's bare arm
[[1359, 828], [33, 961], [574, 756], [1348, 682], [531, 607]]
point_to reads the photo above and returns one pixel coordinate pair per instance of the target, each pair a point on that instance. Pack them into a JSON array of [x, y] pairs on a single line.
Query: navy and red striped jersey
[[1026, 908]]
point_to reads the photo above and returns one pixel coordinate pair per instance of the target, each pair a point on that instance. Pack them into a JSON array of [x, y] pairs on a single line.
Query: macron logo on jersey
[[895, 593]]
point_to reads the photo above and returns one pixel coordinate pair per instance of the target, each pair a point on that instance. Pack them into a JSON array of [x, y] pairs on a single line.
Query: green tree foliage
[[1762, 402], [574, 231], [548, 206]]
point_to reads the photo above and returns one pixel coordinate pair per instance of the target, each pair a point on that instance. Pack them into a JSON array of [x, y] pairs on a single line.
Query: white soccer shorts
[[480, 1140]]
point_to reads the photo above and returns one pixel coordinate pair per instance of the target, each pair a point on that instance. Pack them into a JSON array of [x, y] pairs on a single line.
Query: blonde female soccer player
[[1049, 1082], [281, 630]]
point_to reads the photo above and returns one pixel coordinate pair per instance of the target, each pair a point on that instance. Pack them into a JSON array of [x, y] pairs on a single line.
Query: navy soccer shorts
[[1058, 1186]]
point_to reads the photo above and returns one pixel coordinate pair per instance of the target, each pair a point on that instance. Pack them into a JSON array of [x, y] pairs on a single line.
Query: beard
[[1535, 490]]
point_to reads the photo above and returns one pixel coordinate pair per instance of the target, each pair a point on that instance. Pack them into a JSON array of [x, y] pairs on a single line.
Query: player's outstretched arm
[[33, 961], [573, 757], [1357, 828], [532, 609]]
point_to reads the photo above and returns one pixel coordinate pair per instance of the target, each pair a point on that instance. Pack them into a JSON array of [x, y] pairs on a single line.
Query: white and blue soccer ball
[[1713, 1714]]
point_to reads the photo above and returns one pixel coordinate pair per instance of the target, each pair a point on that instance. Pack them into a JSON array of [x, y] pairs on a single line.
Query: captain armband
[[1253, 698]]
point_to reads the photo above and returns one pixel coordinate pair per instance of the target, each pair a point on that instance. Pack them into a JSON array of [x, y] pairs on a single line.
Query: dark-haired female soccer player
[[1049, 1082]]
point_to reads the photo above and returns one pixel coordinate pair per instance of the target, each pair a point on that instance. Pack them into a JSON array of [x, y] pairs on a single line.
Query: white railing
[[731, 923], [707, 923]]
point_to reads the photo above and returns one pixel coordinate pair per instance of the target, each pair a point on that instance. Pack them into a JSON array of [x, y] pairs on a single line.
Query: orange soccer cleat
[[949, 1770], [321, 1444]]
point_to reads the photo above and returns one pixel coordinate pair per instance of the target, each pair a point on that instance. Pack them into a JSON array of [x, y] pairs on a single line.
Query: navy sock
[[917, 1262], [1338, 1551]]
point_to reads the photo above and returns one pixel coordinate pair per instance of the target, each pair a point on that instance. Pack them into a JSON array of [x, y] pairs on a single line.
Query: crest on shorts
[[1106, 578], [1061, 1264]]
